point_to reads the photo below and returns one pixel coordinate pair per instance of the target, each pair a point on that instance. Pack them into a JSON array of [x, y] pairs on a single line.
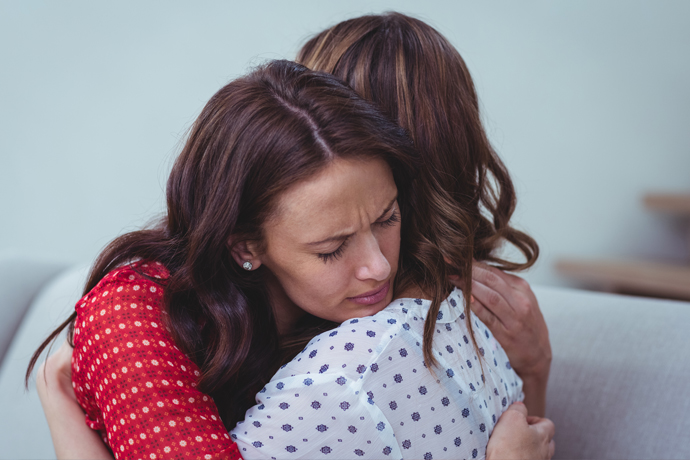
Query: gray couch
[[619, 384]]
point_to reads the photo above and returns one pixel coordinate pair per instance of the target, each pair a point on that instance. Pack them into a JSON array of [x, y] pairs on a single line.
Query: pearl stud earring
[[247, 265]]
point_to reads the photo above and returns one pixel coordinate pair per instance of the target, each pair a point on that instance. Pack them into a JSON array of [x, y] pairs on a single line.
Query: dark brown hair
[[418, 78], [254, 139]]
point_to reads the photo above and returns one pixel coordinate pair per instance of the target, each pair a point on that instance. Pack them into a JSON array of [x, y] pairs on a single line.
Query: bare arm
[[72, 438], [509, 308]]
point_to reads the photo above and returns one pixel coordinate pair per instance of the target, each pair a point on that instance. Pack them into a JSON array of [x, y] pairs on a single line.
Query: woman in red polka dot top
[[135, 385]]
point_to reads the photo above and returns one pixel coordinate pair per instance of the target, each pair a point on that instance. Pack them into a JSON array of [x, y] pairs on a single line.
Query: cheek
[[315, 287]]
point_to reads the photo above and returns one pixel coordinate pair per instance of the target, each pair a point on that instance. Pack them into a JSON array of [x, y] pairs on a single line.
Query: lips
[[372, 297]]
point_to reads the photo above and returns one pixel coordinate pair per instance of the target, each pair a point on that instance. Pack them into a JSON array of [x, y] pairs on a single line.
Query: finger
[[495, 302], [545, 428], [509, 278], [552, 449], [493, 278], [514, 281], [518, 407], [487, 317]]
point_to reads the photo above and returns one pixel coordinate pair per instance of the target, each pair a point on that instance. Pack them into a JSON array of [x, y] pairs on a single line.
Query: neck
[[413, 291], [286, 312]]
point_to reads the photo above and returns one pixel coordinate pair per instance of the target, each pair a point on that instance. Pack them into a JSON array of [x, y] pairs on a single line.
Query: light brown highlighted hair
[[420, 80]]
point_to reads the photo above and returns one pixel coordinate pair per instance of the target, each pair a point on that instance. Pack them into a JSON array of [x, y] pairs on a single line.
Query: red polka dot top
[[136, 387]]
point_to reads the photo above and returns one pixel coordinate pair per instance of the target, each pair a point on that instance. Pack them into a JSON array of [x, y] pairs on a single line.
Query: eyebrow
[[347, 235]]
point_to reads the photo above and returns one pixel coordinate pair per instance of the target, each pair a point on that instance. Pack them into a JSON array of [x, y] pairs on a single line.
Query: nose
[[374, 264]]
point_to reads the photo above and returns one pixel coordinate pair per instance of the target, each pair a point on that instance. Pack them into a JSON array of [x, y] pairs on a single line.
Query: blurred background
[[587, 102]]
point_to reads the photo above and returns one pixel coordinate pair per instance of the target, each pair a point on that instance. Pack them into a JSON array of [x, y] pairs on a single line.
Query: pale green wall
[[587, 101]]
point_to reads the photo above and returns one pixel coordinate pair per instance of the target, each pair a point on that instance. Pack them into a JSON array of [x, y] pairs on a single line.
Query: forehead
[[335, 200]]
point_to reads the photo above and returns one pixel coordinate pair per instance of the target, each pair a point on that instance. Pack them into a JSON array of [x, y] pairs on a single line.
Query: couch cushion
[[23, 429], [620, 375], [20, 279]]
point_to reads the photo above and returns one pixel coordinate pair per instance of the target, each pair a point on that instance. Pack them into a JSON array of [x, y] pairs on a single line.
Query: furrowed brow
[[388, 208], [344, 236]]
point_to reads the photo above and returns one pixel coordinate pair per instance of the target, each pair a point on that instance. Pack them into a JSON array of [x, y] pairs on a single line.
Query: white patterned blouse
[[363, 390]]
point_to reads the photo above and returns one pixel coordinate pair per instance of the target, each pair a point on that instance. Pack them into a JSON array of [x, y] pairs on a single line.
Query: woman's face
[[333, 244]]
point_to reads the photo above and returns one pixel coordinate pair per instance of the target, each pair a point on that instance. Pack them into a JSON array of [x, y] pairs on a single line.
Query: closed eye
[[335, 254], [392, 220]]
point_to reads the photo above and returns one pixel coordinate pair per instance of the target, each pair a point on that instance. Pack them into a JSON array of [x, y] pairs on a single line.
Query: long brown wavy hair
[[258, 136], [418, 78]]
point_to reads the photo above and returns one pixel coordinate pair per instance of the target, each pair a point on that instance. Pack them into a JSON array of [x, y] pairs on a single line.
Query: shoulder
[[134, 290], [139, 278], [349, 349]]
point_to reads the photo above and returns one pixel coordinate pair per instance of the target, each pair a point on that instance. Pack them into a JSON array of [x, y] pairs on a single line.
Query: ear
[[245, 251]]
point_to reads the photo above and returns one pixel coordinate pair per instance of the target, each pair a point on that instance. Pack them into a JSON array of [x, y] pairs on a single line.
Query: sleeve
[[316, 409], [135, 385]]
